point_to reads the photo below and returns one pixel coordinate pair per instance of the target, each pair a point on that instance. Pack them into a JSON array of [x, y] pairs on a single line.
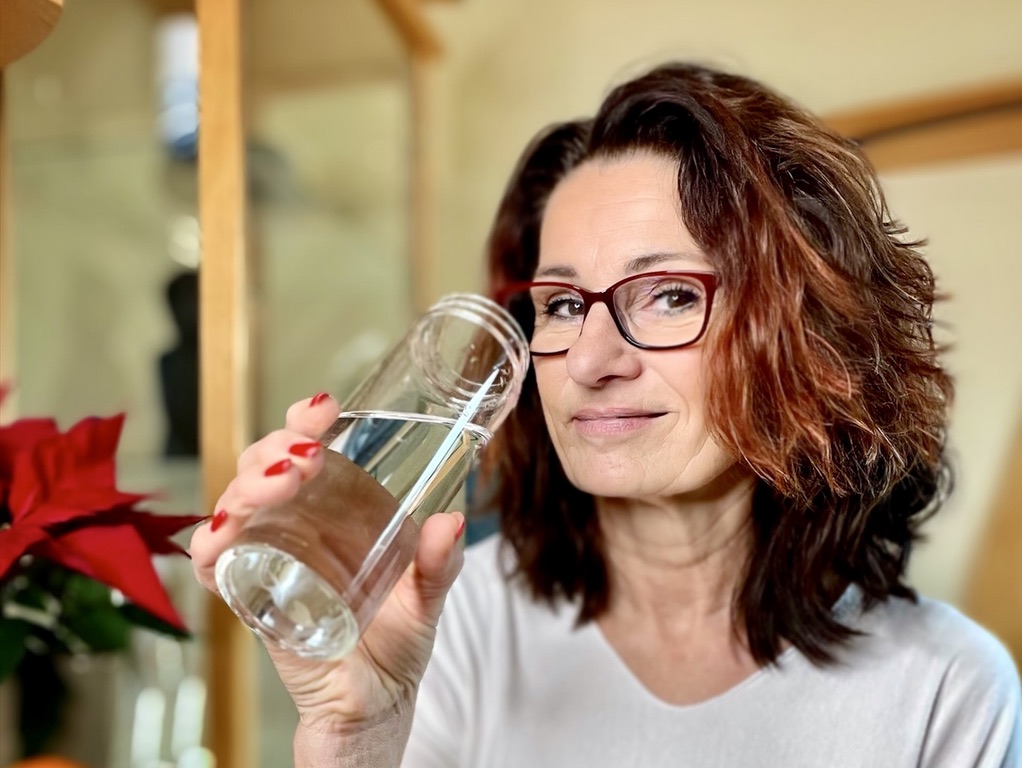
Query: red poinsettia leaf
[[18, 437], [116, 556], [24, 434], [17, 541], [88, 507], [155, 529], [94, 440], [91, 445], [72, 472]]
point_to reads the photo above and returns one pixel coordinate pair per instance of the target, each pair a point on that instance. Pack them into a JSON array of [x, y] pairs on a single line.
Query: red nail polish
[[317, 399], [218, 519], [279, 468], [305, 450]]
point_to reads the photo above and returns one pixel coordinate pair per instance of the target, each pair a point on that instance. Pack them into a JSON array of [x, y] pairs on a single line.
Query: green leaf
[[12, 644], [102, 629], [90, 614], [83, 593], [141, 618]]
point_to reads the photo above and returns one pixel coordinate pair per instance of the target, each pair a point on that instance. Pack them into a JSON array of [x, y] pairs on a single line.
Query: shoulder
[[936, 634], [957, 670]]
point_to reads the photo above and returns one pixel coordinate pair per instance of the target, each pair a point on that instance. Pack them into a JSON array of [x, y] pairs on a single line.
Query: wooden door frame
[[225, 371]]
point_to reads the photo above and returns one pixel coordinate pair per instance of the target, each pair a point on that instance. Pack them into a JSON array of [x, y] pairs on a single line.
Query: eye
[[564, 305], [675, 297], [556, 302]]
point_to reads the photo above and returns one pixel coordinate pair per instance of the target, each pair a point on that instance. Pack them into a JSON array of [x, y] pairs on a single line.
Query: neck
[[677, 561]]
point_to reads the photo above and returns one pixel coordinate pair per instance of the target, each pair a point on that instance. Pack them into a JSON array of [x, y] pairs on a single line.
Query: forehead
[[610, 217]]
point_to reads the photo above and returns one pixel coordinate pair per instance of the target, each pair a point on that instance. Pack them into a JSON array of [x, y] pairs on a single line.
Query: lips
[[612, 421], [591, 414]]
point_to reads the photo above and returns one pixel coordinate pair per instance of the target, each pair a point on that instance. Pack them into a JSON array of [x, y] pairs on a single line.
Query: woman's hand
[[376, 683]]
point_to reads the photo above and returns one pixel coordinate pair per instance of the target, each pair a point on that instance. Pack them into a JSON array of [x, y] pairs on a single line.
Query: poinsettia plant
[[76, 568]]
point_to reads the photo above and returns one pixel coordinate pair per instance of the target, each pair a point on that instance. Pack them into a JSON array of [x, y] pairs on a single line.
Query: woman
[[708, 492]]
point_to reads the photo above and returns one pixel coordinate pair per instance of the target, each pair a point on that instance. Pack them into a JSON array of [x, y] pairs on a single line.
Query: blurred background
[[376, 137]]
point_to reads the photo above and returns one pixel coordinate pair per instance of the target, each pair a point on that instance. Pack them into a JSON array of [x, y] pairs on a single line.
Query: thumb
[[438, 562]]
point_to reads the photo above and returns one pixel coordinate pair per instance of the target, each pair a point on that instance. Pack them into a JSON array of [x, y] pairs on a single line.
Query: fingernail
[[305, 450], [317, 399], [218, 519], [279, 468], [461, 529]]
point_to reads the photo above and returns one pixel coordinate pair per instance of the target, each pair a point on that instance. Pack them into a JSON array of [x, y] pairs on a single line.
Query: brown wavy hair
[[825, 380]]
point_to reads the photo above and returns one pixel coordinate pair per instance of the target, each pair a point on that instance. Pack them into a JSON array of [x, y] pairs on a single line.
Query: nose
[[600, 353]]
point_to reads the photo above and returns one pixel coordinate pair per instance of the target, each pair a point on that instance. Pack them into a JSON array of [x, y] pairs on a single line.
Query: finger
[[208, 543], [269, 473], [313, 416], [296, 447], [260, 488], [438, 561]]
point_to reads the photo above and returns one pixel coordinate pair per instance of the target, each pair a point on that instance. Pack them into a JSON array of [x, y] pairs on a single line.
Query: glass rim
[[491, 316]]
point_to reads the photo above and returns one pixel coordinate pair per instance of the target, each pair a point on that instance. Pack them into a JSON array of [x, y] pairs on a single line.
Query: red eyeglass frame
[[606, 297]]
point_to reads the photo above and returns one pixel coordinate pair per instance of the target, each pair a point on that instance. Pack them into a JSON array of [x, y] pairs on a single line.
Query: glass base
[[285, 602]]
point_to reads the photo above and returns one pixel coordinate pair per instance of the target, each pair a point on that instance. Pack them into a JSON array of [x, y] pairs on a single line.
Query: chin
[[609, 489], [598, 479], [649, 475]]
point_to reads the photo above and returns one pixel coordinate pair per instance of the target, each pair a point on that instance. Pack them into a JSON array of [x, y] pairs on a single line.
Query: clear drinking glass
[[310, 575]]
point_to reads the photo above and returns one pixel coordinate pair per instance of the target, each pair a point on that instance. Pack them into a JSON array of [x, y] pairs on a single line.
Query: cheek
[[550, 380], [550, 383], [683, 375], [547, 404]]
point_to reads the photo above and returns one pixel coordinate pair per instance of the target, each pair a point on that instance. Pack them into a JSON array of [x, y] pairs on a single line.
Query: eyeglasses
[[655, 310]]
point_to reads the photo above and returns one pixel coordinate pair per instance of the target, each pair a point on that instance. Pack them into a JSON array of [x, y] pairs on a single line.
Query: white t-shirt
[[513, 684]]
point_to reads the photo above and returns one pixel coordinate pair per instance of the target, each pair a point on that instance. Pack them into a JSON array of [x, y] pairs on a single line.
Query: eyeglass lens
[[655, 311]]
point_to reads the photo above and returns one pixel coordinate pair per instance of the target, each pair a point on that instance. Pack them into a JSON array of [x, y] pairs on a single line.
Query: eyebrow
[[634, 266]]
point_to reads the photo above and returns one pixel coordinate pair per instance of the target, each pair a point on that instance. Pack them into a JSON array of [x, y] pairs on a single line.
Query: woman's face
[[625, 422]]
